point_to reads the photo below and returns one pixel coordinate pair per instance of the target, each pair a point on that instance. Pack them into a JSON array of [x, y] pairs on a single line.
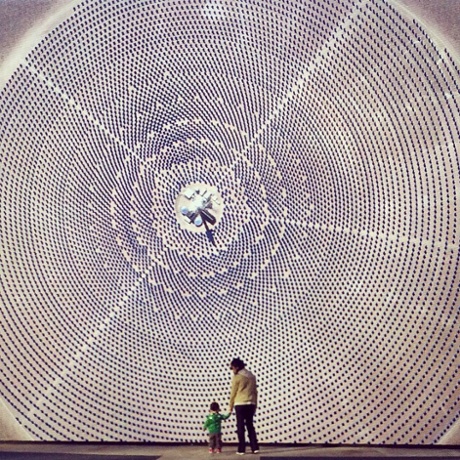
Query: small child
[[213, 424]]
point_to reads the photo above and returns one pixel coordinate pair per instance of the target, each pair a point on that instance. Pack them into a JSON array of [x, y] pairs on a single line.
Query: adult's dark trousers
[[245, 419]]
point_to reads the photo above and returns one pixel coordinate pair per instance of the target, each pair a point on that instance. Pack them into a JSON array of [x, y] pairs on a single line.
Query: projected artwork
[[185, 182]]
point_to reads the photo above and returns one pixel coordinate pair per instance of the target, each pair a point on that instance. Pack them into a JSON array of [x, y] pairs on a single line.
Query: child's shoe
[[211, 451], [219, 451]]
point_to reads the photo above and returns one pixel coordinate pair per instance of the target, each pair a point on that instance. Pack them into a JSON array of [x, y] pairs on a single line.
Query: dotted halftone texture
[[331, 131]]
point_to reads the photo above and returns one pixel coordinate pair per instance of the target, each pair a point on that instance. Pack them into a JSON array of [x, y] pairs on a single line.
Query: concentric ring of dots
[[329, 128]]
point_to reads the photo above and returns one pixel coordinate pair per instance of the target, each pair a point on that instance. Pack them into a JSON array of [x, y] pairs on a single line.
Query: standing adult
[[243, 397]]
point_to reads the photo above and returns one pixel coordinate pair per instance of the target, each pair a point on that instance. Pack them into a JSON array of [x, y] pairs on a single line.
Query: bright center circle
[[199, 207]]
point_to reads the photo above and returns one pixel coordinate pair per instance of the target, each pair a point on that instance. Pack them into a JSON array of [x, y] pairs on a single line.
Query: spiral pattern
[[330, 131]]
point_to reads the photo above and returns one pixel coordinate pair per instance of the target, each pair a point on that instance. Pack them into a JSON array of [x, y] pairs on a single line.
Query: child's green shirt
[[213, 422]]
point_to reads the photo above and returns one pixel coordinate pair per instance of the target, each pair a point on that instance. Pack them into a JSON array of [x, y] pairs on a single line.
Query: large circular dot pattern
[[331, 131]]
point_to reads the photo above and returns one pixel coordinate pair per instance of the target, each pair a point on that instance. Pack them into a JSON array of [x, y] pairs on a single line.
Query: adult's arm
[[233, 392]]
